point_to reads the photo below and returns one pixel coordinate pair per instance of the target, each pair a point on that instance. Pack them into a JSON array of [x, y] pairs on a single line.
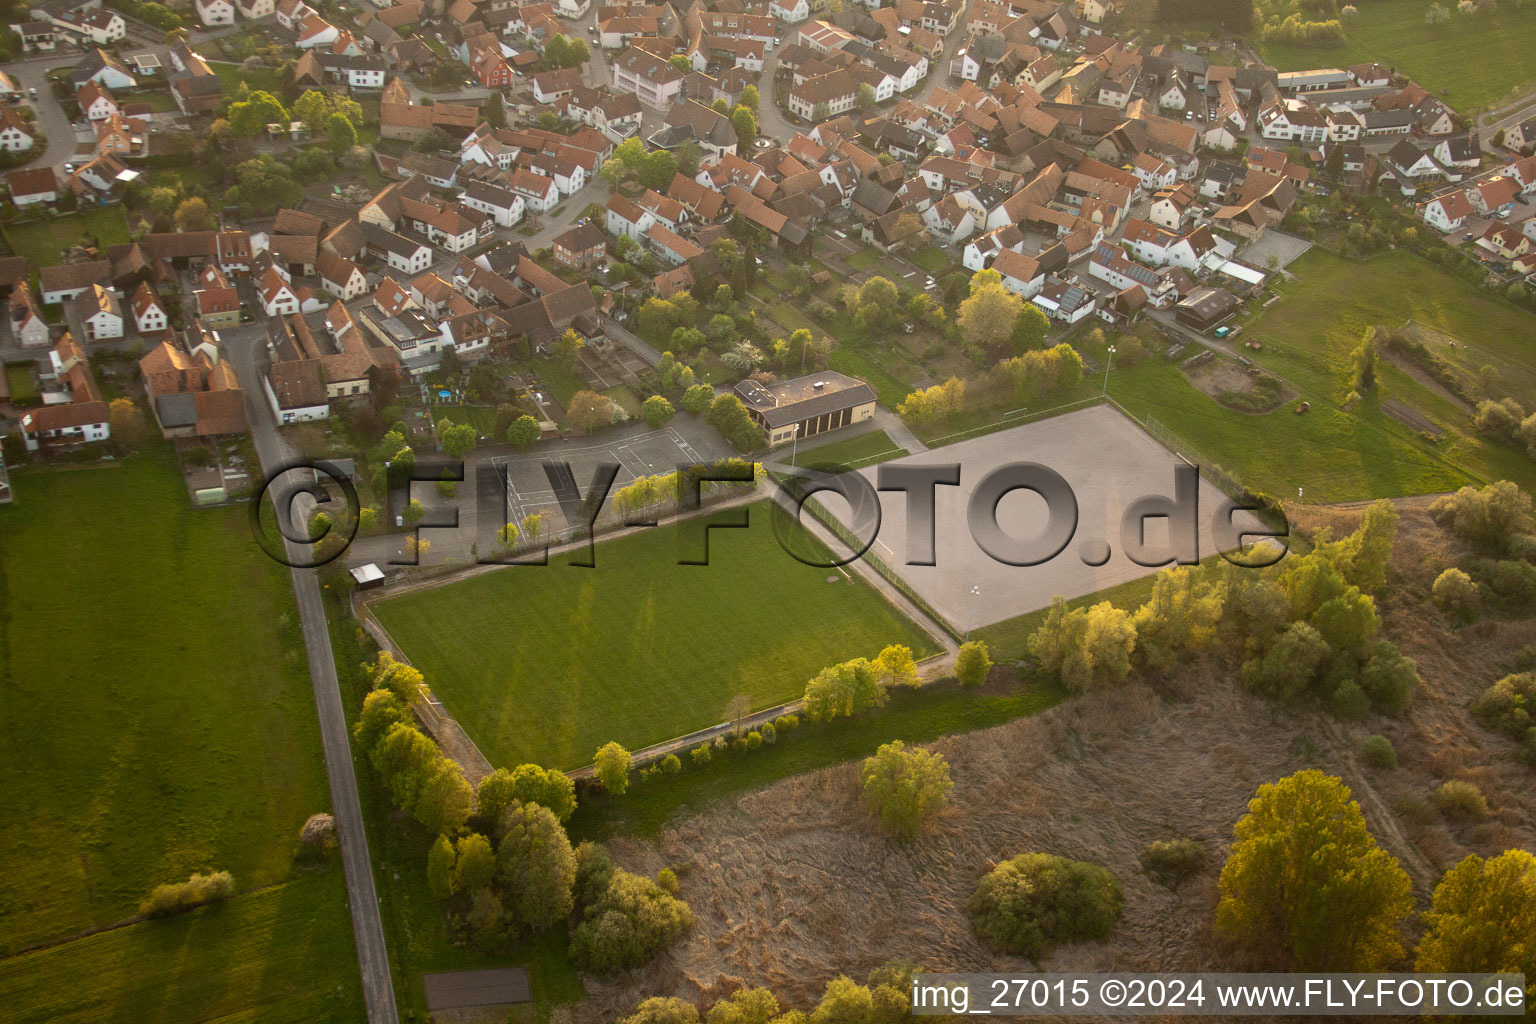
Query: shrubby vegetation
[[198, 890], [1030, 903], [629, 923], [1508, 706], [1308, 629], [884, 999], [1172, 861]]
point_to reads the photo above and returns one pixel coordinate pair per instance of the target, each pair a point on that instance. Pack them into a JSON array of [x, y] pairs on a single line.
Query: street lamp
[[794, 444], [1107, 364], [970, 616]]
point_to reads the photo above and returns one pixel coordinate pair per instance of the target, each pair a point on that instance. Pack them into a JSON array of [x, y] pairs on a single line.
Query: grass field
[[158, 721], [19, 382], [258, 79], [546, 664], [481, 417], [44, 242], [912, 716], [282, 955], [1334, 453], [864, 450], [1470, 61]]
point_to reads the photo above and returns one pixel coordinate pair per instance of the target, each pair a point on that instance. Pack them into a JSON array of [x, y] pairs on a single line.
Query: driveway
[[32, 74]]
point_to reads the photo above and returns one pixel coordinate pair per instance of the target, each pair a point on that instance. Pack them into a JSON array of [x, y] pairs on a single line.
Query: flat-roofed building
[[813, 404]]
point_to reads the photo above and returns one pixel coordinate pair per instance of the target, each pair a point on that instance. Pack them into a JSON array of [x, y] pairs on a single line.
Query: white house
[[100, 314], [95, 102], [1448, 212], [399, 252], [539, 193], [16, 135], [340, 276], [791, 11], [277, 295], [313, 31], [28, 327], [101, 26], [627, 218], [149, 314], [251, 10], [215, 12], [1021, 274], [504, 206]]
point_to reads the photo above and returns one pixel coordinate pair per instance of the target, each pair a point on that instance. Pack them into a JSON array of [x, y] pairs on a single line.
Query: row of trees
[[501, 857], [885, 998], [1311, 628], [861, 684], [930, 404]]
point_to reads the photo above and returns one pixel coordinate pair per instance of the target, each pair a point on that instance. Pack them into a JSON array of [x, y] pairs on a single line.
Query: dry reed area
[[793, 885]]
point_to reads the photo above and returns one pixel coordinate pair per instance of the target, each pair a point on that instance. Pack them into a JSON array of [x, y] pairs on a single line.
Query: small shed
[[368, 576], [1205, 308]]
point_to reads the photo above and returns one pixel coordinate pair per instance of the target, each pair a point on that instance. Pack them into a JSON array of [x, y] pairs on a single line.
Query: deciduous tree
[[611, 767], [1306, 888], [972, 663], [904, 788], [536, 865], [589, 411]]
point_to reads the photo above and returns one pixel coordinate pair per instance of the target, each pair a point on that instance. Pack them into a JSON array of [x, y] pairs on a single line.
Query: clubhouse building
[[814, 404]]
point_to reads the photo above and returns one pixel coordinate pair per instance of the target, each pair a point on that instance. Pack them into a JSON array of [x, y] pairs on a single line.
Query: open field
[[875, 446], [44, 242], [159, 721], [545, 664], [1106, 460], [1470, 61], [794, 884], [281, 955], [1307, 337]]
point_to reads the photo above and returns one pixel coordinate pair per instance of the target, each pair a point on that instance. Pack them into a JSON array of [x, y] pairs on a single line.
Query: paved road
[[362, 898]]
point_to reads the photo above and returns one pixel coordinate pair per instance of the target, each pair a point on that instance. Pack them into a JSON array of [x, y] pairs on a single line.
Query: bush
[[1171, 861], [769, 733], [1028, 904], [1378, 752], [632, 921], [196, 891], [972, 663], [1349, 701], [1509, 585], [754, 740], [700, 754], [670, 765], [1455, 594], [1508, 705], [1489, 516], [786, 723], [1499, 419], [1389, 678], [1461, 800], [667, 879]]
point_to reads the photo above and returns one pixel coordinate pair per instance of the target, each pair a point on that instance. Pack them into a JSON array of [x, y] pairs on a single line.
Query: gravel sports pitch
[[1108, 460]]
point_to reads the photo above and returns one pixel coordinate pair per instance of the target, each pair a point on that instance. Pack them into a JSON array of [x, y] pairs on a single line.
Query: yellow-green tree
[[1306, 888], [1484, 919]]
